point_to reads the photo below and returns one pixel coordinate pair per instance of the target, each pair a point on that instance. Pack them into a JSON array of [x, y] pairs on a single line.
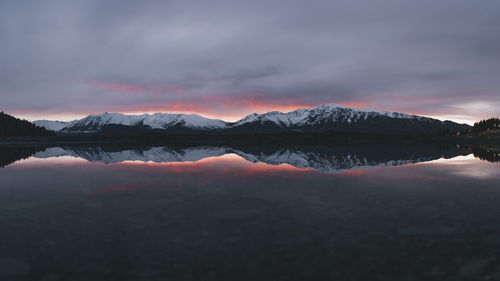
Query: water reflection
[[247, 213], [10, 154], [324, 159]]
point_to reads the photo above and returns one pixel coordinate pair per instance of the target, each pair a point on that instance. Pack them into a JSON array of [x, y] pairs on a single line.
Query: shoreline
[[329, 138]]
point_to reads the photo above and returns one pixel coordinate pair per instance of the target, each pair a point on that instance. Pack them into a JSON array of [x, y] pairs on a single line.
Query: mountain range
[[328, 117]]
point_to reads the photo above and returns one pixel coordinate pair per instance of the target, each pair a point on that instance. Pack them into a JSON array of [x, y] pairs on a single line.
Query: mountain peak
[[333, 106]]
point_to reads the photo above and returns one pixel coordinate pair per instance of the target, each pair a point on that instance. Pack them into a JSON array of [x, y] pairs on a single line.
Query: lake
[[249, 213]]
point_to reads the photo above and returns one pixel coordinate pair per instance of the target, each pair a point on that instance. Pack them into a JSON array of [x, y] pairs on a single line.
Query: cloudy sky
[[226, 59]]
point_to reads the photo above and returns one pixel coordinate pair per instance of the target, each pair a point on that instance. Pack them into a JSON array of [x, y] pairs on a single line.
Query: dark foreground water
[[220, 213]]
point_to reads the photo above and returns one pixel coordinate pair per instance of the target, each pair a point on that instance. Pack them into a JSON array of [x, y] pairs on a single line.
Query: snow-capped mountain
[[338, 118], [96, 122], [321, 114], [333, 117], [328, 117]]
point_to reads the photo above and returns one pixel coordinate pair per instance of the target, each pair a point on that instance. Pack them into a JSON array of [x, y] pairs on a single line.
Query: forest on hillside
[[11, 126]]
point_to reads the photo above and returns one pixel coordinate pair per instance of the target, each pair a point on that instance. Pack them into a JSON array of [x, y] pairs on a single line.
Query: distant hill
[[14, 127], [324, 118]]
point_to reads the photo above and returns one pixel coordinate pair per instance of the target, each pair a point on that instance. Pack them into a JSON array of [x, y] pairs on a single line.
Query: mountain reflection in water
[[323, 159]]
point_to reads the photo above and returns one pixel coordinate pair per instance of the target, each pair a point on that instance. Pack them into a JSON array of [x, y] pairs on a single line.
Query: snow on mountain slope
[[159, 120], [53, 125], [95, 122], [323, 113]]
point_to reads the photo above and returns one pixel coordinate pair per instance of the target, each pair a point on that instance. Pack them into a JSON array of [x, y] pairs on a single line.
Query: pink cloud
[[229, 106]]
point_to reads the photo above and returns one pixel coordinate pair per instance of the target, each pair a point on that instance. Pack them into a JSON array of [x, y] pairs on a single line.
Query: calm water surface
[[218, 213]]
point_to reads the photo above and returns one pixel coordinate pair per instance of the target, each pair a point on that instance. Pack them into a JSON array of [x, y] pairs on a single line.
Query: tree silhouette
[[14, 127], [484, 125]]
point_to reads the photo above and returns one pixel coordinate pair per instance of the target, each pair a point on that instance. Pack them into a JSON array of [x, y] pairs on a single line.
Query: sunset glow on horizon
[[227, 113]]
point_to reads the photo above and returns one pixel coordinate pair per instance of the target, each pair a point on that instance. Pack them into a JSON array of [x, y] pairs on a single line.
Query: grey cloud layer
[[312, 51]]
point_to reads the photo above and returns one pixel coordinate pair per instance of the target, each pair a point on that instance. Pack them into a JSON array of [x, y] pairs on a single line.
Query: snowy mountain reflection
[[322, 159]]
